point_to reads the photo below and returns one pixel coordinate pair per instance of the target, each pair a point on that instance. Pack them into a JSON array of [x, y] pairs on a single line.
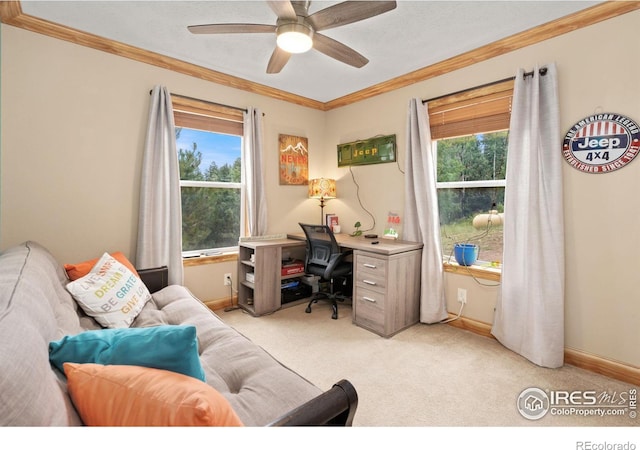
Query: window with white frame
[[209, 145], [470, 133]]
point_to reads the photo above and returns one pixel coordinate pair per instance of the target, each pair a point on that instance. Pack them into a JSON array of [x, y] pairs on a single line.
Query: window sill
[[213, 259], [482, 270]]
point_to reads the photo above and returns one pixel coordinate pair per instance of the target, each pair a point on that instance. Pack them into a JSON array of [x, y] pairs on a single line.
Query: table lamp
[[324, 189]]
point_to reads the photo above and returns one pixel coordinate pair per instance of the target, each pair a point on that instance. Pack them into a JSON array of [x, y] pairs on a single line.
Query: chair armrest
[[155, 279], [335, 407]]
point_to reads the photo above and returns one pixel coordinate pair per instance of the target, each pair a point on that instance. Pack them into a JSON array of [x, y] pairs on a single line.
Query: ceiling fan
[[297, 31]]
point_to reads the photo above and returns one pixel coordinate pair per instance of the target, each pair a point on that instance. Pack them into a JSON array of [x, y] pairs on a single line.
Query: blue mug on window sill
[[466, 254]]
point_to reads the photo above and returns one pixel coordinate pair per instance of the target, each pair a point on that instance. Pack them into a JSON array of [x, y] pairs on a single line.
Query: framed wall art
[[294, 160]]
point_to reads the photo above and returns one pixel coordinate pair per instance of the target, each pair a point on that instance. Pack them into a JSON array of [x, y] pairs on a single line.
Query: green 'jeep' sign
[[381, 149]]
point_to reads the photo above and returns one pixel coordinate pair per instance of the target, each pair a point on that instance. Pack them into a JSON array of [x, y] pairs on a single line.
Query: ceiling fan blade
[[283, 9], [337, 50], [348, 12], [221, 28], [278, 60]]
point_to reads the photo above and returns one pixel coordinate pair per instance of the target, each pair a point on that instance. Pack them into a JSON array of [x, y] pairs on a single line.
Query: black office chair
[[325, 259]]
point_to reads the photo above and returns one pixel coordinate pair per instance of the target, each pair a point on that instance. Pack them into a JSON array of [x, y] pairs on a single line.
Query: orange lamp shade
[[322, 188]]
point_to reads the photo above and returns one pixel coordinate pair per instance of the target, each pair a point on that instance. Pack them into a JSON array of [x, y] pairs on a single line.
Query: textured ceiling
[[414, 35]]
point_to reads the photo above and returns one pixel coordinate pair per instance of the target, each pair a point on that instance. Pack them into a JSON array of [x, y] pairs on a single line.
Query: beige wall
[[73, 129], [73, 125], [597, 72]]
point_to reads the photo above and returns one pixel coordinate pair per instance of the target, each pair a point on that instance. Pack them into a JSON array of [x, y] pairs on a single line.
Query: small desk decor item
[[393, 223], [294, 160], [357, 231], [601, 143], [332, 221], [379, 149]]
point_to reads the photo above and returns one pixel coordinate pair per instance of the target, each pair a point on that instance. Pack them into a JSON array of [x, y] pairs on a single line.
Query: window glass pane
[[458, 207], [473, 158], [203, 155], [210, 215], [468, 159], [210, 218]]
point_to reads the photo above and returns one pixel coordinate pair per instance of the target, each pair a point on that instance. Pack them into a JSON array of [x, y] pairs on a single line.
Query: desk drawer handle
[[370, 266], [369, 299], [372, 283]]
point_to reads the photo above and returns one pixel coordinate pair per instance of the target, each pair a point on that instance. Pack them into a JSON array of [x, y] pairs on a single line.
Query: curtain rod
[[542, 71], [205, 101]]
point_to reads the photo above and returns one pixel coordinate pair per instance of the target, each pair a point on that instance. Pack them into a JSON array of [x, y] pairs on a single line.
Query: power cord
[[231, 307], [398, 163], [353, 177], [456, 317]]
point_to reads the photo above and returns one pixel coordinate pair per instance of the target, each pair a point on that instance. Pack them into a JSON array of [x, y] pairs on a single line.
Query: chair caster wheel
[[308, 309]]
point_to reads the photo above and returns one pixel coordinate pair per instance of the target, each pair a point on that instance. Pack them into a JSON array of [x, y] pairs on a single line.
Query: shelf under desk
[[261, 295]]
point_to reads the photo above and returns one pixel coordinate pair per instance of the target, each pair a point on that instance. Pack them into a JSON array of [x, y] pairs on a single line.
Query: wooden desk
[[386, 282], [386, 279], [383, 247]]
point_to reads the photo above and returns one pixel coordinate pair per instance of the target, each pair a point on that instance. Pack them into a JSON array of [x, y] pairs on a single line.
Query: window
[[470, 133], [209, 143]]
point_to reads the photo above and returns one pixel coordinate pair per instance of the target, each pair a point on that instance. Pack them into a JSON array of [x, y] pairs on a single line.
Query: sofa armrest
[[155, 279], [335, 407]]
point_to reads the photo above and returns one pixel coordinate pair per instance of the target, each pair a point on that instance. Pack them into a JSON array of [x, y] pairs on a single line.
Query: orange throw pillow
[[130, 396], [75, 271]]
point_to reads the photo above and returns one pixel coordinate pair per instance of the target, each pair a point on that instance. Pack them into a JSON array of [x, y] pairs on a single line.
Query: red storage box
[[292, 268]]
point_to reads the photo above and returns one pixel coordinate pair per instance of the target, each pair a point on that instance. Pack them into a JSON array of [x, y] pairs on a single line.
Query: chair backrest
[[321, 244]]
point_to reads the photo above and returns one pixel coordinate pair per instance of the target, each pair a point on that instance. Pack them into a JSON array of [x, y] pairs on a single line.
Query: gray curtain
[[253, 173], [160, 215], [529, 315], [422, 220]]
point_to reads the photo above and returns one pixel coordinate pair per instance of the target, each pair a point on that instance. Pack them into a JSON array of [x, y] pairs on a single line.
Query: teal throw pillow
[[168, 347]]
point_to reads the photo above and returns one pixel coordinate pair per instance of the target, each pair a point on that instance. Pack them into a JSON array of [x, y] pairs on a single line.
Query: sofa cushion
[[34, 310], [168, 347], [79, 270], [259, 388], [141, 396], [111, 293]]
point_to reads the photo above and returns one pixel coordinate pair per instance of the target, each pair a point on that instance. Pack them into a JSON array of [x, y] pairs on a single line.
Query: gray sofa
[[35, 309]]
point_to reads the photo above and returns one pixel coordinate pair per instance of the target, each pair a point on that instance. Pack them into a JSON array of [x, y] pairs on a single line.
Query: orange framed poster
[[294, 160]]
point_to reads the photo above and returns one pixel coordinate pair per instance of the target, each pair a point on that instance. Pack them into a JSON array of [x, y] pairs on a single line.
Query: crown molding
[[581, 19], [11, 14]]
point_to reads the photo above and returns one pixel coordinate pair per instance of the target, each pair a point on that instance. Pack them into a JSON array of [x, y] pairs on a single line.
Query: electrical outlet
[[227, 279], [462, 295]]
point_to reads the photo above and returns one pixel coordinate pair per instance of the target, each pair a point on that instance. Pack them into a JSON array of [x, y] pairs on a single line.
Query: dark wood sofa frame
[[335, 407]]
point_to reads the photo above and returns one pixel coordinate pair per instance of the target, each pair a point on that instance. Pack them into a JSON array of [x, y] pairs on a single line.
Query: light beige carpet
[[426, 375]]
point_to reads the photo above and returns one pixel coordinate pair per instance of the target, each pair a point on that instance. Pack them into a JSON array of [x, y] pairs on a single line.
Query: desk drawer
[[368, 309], [370, 272]]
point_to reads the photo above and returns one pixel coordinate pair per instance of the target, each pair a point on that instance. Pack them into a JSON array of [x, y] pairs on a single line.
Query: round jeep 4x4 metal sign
[[601, 143]]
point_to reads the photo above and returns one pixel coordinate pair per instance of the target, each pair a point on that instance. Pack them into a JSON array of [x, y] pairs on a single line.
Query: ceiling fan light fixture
[[294, 37]]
